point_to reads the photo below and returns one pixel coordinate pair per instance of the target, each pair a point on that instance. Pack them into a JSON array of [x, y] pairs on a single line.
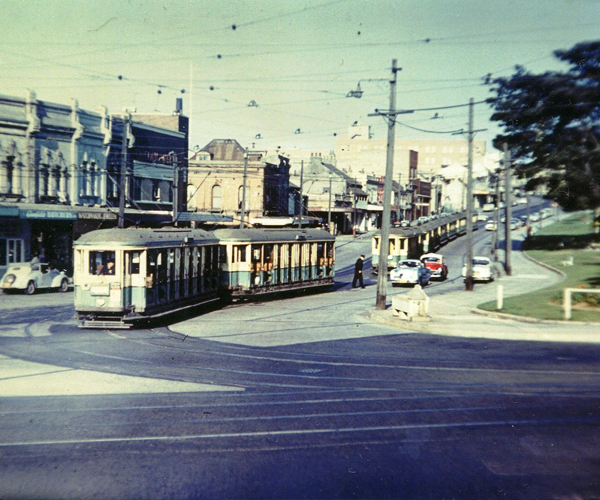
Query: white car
[[482, 269], [29, 276], [491, 226], [410, 272]]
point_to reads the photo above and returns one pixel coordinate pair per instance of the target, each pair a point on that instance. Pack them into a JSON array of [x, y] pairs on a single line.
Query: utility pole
[[508, 213], [384, 244], [123, 179], [175, 188], [497, 214], [301, 199], [469, 201], [399, 195], [329, 209], [469, 277], [243, 214]]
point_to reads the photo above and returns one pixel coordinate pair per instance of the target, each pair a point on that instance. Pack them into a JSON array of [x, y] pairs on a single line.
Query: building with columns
[[60, 175]]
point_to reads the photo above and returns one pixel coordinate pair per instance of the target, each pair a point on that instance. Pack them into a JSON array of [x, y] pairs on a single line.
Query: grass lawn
[[553, 245]]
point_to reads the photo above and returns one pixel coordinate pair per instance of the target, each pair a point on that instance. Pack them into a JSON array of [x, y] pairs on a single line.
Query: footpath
[[455, 313]]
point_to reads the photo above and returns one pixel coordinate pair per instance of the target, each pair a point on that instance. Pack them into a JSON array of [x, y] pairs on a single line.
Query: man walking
[[358, 272]]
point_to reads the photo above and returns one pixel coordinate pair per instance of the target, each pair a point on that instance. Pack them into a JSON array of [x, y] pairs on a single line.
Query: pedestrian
[[358, 272]]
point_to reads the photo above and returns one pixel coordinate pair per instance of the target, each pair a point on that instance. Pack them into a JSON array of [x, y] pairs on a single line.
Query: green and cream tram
[[124, 275], [261, 261], [413, 241]]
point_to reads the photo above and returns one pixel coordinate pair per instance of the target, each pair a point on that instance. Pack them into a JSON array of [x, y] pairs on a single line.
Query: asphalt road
[[341, 408]]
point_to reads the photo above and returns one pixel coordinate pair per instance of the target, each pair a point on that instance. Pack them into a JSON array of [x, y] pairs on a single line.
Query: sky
[[276, 74]]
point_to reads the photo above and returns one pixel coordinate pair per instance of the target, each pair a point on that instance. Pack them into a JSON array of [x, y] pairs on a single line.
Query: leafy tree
[[552, 126]]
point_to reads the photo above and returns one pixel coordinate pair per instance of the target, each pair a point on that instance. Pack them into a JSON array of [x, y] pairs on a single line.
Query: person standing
[[358, 272]]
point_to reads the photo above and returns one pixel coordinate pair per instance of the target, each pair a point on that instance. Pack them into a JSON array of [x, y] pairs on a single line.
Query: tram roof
[[423, 228], [144, 236], [273, 235]]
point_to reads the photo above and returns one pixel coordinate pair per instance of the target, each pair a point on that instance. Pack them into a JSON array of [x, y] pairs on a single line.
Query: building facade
[[60, 175], [218, 173]]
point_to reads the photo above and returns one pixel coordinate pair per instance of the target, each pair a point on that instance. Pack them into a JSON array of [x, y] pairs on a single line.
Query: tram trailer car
[[413, 241], [256, 262], [122, 276]]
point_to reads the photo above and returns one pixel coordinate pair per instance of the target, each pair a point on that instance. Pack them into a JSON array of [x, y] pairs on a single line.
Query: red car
[[436, 264]]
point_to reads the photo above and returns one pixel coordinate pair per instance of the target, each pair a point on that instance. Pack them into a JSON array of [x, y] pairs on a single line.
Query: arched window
[[241, 197], [217, 197], [191, 199]]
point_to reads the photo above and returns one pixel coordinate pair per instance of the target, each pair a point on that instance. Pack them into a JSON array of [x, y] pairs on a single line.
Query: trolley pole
[[123, 179], [387, 191], [175, 188], [301, 199], [243, 207]]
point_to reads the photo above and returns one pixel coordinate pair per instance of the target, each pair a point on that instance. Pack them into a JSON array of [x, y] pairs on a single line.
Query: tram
[[267, 261], [122, 276], [413, 241]]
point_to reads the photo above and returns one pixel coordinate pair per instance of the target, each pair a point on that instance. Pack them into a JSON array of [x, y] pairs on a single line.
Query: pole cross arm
[[387, 112]]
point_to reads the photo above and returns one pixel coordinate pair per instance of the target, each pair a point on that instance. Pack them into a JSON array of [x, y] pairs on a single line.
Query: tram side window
[[102, 262], [268, 257], [222, 254], [239, 253], [133, 262]]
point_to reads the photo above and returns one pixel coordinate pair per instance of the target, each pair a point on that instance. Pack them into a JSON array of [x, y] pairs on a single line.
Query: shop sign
[[97, 215], [9, 211], [48, 214]]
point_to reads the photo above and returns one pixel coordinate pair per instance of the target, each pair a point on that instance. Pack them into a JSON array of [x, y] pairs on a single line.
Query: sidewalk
[[455, 313]]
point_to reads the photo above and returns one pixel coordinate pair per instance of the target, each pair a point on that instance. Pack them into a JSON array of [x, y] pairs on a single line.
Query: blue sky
[[297, 60]]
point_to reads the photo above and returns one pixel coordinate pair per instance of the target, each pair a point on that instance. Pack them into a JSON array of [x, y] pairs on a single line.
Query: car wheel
[[64, 286], [30, 290]]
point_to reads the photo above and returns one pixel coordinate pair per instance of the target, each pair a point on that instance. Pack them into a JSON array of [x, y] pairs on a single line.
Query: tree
[[552, 126]]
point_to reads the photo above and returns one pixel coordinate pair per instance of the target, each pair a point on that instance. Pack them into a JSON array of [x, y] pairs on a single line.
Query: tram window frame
[[99, 259], [239, 253], [133, 267]]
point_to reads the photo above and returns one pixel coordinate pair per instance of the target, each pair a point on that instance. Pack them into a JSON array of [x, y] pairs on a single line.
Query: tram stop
[[412, 306]]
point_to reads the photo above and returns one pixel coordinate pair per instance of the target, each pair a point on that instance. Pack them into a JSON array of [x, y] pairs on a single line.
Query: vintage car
[[29, 276], [482, 269], [410, 272], [436, 265]]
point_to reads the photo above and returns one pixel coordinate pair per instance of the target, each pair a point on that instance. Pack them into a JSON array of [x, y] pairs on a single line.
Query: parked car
[[436, 265], [535, 217], [410, 272], [489, 207], [491, 226], [482, 269], [515, 224], [30, 276]]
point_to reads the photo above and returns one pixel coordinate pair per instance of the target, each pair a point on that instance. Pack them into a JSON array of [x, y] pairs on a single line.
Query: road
[[295, 398]]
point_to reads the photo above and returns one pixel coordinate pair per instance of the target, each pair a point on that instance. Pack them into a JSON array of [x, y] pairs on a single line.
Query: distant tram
[[413, 241], [122, 276]]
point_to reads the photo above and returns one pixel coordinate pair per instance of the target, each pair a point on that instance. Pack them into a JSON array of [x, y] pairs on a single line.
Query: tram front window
[[102, 262]]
